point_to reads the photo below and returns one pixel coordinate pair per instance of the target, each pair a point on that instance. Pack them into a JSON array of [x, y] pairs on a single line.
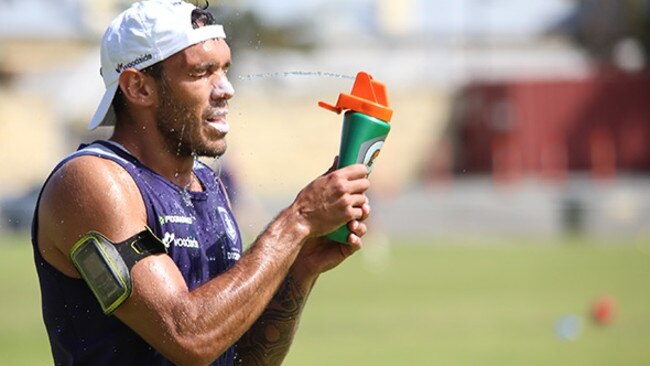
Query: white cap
[[144, 34]]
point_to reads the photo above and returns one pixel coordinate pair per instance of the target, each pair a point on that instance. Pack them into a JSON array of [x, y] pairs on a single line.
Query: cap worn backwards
[[144, 34]]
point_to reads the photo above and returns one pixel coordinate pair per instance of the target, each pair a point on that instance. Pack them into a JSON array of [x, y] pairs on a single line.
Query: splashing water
[[216, 165], [286, 74], [180, 141]]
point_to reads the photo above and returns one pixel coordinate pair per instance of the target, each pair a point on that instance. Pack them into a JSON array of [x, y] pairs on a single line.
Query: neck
[[148, 146]]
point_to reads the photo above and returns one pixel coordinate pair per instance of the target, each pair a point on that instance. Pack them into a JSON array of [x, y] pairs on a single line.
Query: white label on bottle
[[371, 154]]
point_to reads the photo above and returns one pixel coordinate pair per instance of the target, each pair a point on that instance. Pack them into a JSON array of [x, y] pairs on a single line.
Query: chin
[[212, 150]]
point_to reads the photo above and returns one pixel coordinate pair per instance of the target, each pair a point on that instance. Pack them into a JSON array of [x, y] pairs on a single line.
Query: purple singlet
[[201, 237]]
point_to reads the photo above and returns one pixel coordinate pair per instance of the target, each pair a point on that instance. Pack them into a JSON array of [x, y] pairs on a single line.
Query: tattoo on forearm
[[269, 339]]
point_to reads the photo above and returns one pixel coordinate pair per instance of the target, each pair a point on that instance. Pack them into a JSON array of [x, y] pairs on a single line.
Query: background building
[[482, 89]]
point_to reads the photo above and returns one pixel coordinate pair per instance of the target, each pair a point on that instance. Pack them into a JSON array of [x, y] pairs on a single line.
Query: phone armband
[[106, 266]]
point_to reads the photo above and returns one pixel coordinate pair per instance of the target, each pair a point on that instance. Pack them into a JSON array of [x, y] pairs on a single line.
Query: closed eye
[[209, 69]]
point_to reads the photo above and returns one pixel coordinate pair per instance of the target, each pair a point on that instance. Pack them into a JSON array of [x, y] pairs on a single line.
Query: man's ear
[[137, 88]]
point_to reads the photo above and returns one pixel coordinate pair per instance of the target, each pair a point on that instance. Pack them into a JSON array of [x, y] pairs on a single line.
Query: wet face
[[193, 100]]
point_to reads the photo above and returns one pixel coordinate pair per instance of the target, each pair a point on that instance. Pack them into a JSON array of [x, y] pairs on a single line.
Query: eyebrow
[[211, 64]]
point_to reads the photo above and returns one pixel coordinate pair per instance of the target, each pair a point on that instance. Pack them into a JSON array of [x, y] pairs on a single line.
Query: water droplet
[[286, 74]]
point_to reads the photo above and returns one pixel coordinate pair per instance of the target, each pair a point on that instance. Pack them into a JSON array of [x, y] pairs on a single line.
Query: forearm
[[196, 327], [203, 323], [269, 339]]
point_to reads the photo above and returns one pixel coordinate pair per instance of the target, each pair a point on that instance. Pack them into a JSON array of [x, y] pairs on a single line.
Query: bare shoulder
[[87, 193]]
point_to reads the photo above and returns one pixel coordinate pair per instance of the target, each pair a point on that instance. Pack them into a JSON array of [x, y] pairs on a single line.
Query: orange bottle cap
[[368, 97]]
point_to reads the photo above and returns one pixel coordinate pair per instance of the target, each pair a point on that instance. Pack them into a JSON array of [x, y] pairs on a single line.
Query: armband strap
[[139, 246], [106, 266]]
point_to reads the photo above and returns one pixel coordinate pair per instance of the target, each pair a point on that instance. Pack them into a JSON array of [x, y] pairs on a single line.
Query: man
[[112, 292]]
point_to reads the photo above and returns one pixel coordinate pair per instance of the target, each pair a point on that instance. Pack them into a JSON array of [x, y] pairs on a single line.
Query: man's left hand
[[319, 255]]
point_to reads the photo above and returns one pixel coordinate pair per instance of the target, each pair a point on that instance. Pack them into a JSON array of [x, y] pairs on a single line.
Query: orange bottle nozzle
[[368, 97]]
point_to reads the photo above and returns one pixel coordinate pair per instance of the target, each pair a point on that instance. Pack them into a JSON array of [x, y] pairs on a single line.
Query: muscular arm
[[269, 339], [198, 326], [188, 327]]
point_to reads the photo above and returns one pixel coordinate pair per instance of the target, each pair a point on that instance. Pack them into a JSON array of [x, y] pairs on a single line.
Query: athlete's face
[[193, 99]]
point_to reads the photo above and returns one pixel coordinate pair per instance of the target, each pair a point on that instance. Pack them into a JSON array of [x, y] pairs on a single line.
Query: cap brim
[[104, 115]]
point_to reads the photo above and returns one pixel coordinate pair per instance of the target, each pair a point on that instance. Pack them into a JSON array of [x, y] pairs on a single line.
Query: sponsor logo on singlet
[[170, 239], [233, 255], [175, 219]]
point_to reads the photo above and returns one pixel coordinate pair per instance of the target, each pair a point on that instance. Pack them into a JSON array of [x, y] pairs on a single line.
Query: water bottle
[[365, 128]]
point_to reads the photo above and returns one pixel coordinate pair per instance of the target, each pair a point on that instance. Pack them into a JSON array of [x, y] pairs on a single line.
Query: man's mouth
[[217, 120]]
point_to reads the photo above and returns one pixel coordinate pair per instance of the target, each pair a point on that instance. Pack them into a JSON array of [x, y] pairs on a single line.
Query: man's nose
[[222, 89]]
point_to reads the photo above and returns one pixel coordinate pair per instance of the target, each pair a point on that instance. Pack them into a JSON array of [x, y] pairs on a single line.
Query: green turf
[[23, 340], [471, 302], [474, 303]]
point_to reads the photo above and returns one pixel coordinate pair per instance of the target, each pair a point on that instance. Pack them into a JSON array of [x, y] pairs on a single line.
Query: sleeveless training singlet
[[201, 237]]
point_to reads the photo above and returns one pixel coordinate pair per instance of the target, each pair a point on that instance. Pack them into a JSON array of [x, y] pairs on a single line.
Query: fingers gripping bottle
[[365, 128]]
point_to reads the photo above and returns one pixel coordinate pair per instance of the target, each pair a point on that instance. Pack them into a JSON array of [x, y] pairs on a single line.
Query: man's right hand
[[333, 199]]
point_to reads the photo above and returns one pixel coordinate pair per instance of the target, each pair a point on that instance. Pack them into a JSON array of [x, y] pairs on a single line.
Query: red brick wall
[[550, 127]]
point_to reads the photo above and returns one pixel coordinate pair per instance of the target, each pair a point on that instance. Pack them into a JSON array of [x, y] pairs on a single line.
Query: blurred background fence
[[536, 108]]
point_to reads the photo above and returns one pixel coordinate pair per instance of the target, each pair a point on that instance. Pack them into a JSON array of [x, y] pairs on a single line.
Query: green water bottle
[[365, 128]]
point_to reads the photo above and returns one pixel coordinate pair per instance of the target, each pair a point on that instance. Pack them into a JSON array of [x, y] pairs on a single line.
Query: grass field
[[434, 302]]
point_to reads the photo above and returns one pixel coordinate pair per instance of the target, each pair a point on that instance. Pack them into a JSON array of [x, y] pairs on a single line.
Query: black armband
[[106, 266]]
